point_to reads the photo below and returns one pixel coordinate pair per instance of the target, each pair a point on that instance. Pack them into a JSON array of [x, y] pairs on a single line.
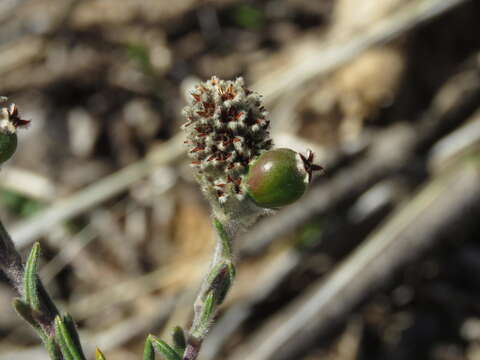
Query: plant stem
[[10, 261], [213, 290]]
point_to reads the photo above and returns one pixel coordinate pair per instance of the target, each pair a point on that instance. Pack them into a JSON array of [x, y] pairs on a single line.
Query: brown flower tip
[[10, 118], [310, 167]]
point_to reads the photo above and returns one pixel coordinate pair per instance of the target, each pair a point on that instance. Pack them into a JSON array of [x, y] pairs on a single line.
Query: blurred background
[[380, 260]]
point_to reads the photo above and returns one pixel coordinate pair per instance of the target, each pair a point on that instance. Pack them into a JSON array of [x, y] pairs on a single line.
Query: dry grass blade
[[26, 231], [290, 76], [457, 144]]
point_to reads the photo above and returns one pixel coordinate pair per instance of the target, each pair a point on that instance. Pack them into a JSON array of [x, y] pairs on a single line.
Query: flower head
[[226, 130]]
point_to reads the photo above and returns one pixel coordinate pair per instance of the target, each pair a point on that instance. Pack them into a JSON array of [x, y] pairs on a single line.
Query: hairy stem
[[10, 261], [213, 290]]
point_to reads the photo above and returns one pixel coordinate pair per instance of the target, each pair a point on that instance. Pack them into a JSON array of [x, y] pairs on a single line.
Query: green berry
[[277, 178], [8, 145]]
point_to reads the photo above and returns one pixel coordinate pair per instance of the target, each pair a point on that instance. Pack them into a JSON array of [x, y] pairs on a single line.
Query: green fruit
[[277, 178], [8, 145]]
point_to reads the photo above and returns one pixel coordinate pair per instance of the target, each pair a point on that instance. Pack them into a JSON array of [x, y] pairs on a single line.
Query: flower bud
[[9, 122]]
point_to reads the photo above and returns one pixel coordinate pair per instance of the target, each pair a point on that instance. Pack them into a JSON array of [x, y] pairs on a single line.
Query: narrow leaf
[[67, 355], [99, 355], [165, 350], [216, 275], [179, 341], [220, 280], [224, 286], [52, 348], [64, 338], [25, 312], [30, 280], [208, 307], [231, 272], [206, 315], [72, 331], [148, 352]]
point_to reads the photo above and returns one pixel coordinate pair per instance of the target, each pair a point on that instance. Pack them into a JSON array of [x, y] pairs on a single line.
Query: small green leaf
[[227, 284], [67, 344], [52, 348], [224, 238], [179, 341], [30, 280], [66, 354], [220, 280], [206, 315], [35, 294], [25, 312], [231, 271], [148, 352], [208, 307], [99, 355], [216, 275], [72, 331], [165, 350], [60, 338]]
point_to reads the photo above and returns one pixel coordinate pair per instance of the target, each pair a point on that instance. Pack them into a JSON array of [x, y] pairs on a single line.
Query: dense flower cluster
[[226, 130]]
